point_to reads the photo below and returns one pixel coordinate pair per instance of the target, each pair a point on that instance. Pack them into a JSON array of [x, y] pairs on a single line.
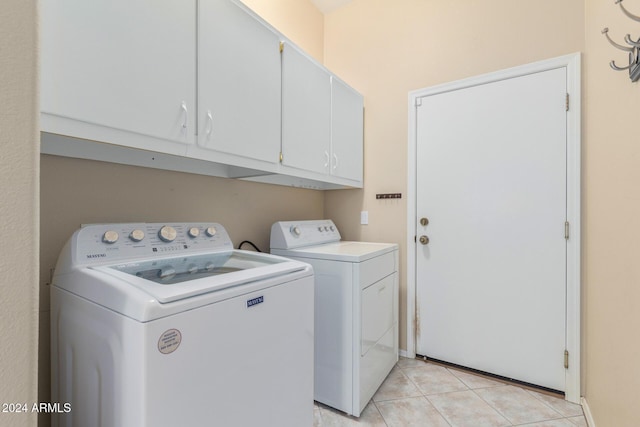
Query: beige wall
[[386, 49], [299, 20], [19, 148], [81, 191], [612, 221]]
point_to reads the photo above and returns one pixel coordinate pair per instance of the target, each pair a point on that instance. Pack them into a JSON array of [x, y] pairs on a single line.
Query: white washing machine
[[158, 325], [356, 309]]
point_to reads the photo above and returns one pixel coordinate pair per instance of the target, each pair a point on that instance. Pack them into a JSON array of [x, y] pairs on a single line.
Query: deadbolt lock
[[424, 240], [424, 221]]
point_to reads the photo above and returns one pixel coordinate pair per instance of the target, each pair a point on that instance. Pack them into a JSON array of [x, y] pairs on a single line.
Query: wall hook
[[627, 39], [626, 12], [633, 47], [605, 31], [613, 65]]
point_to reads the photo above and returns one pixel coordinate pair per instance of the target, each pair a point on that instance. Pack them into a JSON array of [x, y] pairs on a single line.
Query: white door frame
[[572, 63]]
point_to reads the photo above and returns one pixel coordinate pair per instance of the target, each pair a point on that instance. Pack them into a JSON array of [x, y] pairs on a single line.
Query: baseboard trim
[[402, 353], [587, 413]]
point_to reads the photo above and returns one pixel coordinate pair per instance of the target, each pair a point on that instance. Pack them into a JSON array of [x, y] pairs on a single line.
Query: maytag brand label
[[255, 301]]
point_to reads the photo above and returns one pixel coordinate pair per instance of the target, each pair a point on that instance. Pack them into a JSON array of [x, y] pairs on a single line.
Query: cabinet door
[[346, 131], [238, 83], [306, 112], [120, 71]]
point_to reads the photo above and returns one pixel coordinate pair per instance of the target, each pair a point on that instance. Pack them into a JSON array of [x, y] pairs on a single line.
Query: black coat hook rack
[[633, 47]]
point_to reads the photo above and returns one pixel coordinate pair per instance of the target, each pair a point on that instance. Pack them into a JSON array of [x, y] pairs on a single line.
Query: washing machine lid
[[340, 251], [171, 279], [150, 270]]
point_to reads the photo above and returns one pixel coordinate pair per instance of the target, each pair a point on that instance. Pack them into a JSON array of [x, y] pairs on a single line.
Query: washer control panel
[[296, 234], [100, 243]]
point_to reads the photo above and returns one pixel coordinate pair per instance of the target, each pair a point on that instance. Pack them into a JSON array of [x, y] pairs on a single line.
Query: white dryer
[[356, 309], [158, 325]]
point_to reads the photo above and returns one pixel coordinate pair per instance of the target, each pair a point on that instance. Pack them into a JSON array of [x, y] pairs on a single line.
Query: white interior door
[[491, 179]]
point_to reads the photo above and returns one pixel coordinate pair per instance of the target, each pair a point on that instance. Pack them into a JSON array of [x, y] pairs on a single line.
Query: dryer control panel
[[297, 234], [100, 243]]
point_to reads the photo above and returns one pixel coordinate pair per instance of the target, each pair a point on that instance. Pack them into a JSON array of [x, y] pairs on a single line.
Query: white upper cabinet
[[119, 71], [201, 86], [306, 112], [347, 132], [322, 122], [239, 86]]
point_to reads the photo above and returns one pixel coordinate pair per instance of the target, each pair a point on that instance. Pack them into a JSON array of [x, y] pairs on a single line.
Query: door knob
[[424, 240], [424, 221]]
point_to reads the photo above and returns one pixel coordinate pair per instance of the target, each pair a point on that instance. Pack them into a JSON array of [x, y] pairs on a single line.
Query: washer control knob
[[326, 228], [209, 266], [136, 235], [194, 232], [167, 234], [211, 231], [332, 228], [319, 228], [192, 269], [110, 237], [295, 230]]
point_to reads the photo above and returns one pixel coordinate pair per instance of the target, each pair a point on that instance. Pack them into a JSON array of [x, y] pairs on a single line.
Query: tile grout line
[[534, 394], [492, 407], [561, 416], [582, 414], [437, 410], [446, 420], [384, 420]]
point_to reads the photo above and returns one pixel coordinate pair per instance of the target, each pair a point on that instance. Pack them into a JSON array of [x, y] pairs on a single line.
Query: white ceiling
[[328, 6]]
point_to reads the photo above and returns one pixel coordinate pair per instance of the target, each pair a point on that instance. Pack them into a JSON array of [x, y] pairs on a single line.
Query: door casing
[[572, 64]]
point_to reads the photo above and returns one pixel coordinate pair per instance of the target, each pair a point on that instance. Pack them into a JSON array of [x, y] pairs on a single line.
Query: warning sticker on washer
[[169, 341]]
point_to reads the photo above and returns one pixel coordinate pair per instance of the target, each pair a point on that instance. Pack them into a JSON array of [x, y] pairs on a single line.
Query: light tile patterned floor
[[418, 393]]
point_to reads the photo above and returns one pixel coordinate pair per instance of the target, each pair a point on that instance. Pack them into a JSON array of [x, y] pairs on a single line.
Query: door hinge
[[418, 102], [281, 47], [567, 105], [566, 230], [566, 359], [281, 157]]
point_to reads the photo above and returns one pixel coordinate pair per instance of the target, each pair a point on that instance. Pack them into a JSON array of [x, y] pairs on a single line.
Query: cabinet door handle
[[209, 128], [326, 163], [335, 161], [185, 116]]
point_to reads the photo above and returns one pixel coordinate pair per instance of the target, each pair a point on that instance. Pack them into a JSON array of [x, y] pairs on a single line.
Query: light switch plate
[[364, 217]]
